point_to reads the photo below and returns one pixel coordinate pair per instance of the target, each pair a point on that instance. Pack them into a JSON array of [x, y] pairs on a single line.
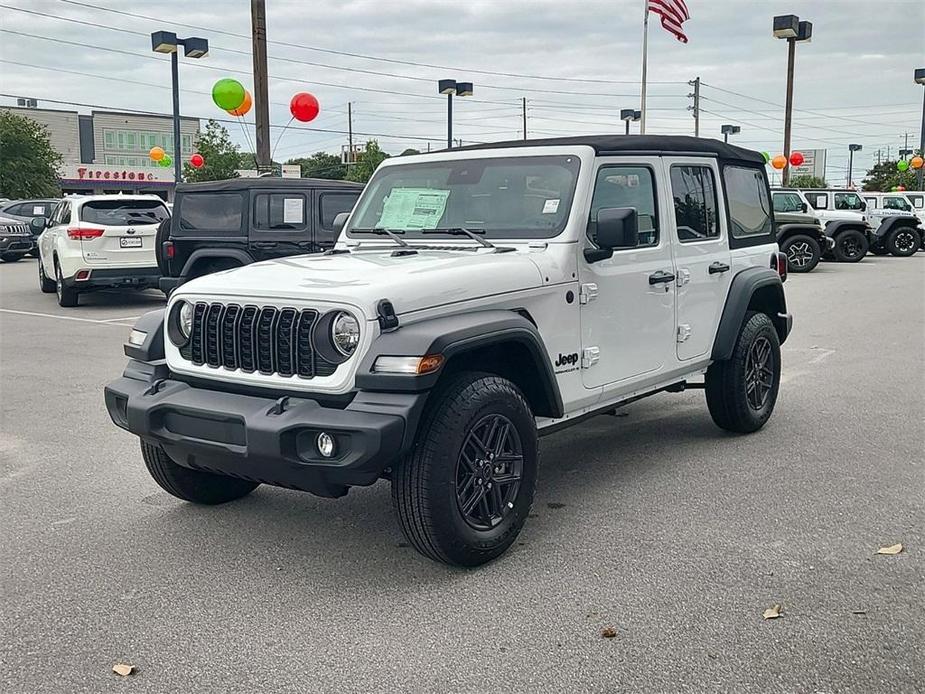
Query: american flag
[[673, 14]]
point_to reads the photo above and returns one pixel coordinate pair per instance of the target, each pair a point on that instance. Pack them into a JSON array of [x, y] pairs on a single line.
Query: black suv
[[224, 224]]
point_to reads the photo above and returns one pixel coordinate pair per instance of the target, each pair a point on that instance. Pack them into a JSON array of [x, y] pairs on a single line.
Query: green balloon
[[228, 94], [902, 165], [165, 161], [767, 157]]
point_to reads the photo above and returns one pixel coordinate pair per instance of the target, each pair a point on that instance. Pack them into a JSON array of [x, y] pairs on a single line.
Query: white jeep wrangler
[[476, 299]]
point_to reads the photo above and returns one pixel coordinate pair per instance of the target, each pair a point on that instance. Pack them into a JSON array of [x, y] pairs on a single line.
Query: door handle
[[264, 244], [661, 277], [718, 267]]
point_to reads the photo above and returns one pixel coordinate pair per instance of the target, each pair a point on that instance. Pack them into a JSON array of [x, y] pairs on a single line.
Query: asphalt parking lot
[[654, 524]]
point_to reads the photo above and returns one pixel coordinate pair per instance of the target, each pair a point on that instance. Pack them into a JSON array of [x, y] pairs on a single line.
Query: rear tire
[[850, 246], [11, 257], [67, 296], [465, 490], [190, 485], [903, 242], [803, 253], [742, 391], [46, 285], [163, 233]]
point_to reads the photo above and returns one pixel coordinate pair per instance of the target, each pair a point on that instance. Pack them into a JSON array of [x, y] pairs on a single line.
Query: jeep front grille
[[265, 339]]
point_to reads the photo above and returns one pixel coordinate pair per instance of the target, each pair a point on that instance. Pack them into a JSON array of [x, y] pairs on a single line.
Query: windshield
[[123, 213], [787, 202], [848, 201], [510, 197]]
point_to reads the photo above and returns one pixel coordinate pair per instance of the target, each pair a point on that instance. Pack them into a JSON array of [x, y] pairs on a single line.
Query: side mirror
[[339, 221], [804, 207], [617, 229], [863, 206], [37, 224]]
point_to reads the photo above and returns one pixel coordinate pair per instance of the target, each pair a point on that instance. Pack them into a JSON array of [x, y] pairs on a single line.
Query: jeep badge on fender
[[431, 350]]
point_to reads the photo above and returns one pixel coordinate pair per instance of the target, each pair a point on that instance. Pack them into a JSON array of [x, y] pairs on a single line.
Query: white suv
[[477, 298], [100, 241]]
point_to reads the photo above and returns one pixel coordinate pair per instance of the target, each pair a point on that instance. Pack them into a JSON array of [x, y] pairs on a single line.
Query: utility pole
[[525, 116], [261, 90], [878, 157], [695, 109], [349, 133]]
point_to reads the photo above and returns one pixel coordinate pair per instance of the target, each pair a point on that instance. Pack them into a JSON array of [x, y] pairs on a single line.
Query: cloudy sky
[[577, 62]]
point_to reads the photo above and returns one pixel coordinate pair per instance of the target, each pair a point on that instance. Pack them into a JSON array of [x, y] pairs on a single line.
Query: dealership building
[[107, 151]]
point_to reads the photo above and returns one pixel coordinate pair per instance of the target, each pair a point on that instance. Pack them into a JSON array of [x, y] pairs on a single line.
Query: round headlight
[[185, 319], [345, 333]]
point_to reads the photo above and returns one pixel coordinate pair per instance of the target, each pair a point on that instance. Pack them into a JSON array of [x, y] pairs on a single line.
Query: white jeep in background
[[477, 299], [843, 215], [99, 242]]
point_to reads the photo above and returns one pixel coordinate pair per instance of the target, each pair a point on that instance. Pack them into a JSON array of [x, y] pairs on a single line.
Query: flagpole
[[645, 50]]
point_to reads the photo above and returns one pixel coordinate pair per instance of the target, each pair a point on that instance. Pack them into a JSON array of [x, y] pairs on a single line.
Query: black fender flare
[[895, 222], [836, 226], [786, 230], [214, 254], [152, 347], [453, 336], [745, 285]]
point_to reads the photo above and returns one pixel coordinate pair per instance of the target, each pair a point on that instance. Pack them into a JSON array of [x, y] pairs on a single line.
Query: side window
[[895, 203], [332, 204], [787, 202], [626, 186], [280, 212], [848, 201], [819, 201], [749, 202], [694, 191], [871, 203]]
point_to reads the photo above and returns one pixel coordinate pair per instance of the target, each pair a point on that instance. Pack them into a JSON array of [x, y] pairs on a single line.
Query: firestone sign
[[91, 173], [107, 175]]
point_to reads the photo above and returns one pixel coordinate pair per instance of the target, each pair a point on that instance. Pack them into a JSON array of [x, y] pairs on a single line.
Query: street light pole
[[790, 27], [851, 150], [175, 85], [452, 88], [920, 79]]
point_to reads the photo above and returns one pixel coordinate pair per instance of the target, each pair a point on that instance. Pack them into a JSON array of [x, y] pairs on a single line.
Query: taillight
[[169, 250], [84, 233], [779, 263]]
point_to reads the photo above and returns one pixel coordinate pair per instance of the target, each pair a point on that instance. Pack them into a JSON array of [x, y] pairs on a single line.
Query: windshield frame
[[570, 157]]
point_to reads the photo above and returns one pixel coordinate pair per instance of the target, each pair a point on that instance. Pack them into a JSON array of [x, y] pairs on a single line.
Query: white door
[[120, 232], [703, 261], [47, 241], [627, 314]]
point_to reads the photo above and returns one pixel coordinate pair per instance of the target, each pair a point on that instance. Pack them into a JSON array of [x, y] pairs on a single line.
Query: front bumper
[[264, 439], [104, 278], [16, 244]]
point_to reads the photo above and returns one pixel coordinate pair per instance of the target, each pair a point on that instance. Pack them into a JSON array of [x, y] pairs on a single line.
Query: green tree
[[28, 162], [366, 163], [321, 165], [885, 175], [410, 150], [807, 181], [220, 153]]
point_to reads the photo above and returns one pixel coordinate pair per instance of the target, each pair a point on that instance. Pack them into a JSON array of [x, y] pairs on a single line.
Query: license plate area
[[130, 242]]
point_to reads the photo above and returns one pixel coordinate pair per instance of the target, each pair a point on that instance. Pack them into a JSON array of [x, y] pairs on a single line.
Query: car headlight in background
[[345, 333], [185, 319]]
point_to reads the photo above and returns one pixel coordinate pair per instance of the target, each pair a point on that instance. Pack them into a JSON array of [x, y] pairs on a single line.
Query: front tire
[[742, 391], [11, 257], [195, 486], [803, 253], [902, 242], [465, 490], [46, 285], [850, 246], [67, 296]]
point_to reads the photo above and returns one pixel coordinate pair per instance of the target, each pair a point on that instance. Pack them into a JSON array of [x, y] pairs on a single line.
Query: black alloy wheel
[[488, 472], [903, 242], [759, 373]]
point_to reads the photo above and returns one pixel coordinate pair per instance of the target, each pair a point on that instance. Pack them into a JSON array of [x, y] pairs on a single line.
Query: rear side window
[[787, 202], [280, 212], [749, 202], [694, 192], [211, 211], [332, 204], [123, 213], [819, 201], [626, 186]]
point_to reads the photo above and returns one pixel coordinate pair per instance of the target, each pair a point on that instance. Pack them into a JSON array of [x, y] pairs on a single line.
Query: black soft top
[[238, 184], [638, 144]]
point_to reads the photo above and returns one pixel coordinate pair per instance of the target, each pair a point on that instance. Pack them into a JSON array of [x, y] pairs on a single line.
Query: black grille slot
[[252, 338]]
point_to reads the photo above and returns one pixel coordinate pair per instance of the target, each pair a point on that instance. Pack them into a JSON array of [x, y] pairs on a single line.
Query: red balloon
[[900, 188], [304, 107], [197, 161], [796, 158]]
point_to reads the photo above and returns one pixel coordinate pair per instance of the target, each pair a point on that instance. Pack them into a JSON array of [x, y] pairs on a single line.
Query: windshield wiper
[[379, 231], [460, 231]]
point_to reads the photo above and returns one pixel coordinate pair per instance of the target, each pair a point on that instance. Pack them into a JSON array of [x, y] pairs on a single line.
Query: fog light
[[325, 444]]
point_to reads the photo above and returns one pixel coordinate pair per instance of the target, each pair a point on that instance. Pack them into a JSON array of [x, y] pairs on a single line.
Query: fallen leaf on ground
[[772, 612], [608, 632], [892, 549], [123, 669]]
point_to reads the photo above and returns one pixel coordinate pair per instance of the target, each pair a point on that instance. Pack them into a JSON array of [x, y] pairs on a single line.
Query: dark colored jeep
[[801, 238], [224, 224]]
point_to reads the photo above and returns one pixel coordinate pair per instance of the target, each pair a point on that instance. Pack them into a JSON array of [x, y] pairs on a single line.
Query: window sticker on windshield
[[413, 208], [293, 210], [38, 209], [551, 206]]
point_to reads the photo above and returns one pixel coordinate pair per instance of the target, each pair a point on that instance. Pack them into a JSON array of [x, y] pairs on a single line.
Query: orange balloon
[[245, 105], [156, 153], [779, 162], [916, 162]]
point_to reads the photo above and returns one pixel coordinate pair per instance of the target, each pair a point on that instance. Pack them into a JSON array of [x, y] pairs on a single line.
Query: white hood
[[363, 277]]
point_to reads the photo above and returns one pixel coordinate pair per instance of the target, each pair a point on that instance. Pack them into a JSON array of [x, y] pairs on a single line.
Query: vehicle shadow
[[122, 298]]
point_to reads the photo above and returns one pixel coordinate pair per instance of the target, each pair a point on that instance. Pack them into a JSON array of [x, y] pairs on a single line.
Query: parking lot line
[[74, 318], [117, 320]]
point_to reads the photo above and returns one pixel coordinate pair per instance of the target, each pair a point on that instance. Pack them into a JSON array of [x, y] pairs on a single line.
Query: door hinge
[[684, 276], [590, 356], [684, 332], [587, 293]]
